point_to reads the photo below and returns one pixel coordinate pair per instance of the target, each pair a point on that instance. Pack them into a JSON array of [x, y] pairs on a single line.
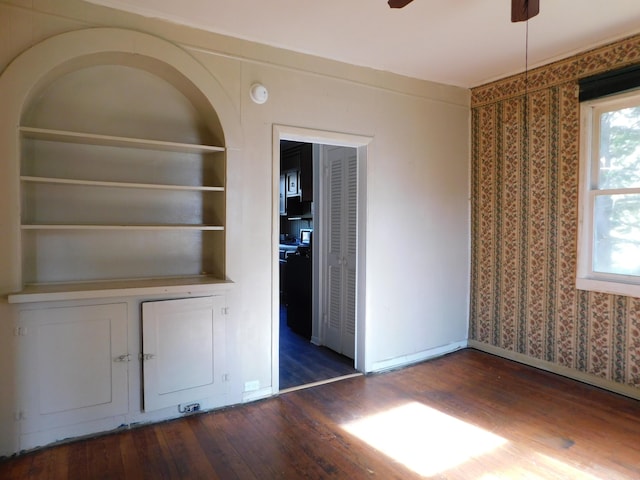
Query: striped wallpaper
[[525, 158]]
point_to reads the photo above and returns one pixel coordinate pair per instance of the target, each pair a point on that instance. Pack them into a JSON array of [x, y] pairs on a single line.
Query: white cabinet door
[[341, 250], [73, 363], [183, 350]]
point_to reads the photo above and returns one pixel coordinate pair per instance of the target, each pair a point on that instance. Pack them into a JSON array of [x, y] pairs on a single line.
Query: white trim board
[[321, 137], [320, 382], [406, 360]]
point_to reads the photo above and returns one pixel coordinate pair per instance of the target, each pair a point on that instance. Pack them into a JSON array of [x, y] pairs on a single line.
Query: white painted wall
[[417, 191]]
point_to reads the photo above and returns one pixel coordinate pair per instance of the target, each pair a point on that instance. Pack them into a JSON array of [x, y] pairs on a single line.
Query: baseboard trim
[[587, 378], [406, 360]]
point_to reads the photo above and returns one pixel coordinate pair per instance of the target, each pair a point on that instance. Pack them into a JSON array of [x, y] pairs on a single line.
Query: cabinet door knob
[[147, 356], [123, 358]]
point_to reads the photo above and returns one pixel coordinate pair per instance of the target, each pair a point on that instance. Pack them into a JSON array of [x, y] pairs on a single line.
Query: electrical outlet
[[189, 407], [251, 386]]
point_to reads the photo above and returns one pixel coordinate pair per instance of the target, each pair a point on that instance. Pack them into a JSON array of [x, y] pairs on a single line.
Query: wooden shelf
[[114, 141], [200, 284], [121, 227], [126, 201], [97, 183]]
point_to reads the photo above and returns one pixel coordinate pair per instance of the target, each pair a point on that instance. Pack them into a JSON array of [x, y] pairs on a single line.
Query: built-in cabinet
[[283, 194], [121, 314], [297, 293], [296, 179], [75, 366], [183, 351], [77, 362]]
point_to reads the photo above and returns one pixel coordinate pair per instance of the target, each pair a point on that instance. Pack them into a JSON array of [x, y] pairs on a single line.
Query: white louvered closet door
[[341, 249]]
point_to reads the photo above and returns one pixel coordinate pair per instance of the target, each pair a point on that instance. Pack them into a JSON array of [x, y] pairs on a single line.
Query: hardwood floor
[[467, 415], [302, 362]]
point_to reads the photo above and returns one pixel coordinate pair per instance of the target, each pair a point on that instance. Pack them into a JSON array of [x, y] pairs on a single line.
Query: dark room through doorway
[[305, 357]]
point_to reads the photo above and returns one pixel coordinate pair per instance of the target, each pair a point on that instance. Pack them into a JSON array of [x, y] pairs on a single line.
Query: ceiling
[[458, 42]]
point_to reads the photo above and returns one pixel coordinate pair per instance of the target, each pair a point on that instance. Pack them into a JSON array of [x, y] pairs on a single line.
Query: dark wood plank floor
[[302, 362], [467, 415]]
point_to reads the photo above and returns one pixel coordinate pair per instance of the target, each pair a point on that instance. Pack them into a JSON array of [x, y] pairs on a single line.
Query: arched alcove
[[119, 160]]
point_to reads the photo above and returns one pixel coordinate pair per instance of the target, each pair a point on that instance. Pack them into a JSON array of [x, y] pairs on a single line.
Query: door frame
[[362, 144]]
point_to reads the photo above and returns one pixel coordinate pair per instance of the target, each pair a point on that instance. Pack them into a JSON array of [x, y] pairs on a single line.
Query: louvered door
[[341, 164]]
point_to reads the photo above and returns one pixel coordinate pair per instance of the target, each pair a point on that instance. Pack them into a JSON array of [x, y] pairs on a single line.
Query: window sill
[[608, 286]]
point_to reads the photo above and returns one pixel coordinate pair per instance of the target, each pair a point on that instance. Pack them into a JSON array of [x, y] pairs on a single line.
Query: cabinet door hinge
[[20, 331]]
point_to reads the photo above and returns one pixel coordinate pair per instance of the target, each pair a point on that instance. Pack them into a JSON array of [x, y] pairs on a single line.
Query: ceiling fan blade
[[523, 10], [399, 3]]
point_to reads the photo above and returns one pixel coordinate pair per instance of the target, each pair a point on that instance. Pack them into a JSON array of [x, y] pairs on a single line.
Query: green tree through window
[[617, 204]]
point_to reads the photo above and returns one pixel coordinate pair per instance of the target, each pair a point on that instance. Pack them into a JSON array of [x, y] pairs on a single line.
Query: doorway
[[317, 217], [309, 270]]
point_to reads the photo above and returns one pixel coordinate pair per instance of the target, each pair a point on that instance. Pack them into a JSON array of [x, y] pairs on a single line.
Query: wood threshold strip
[[319, 382]]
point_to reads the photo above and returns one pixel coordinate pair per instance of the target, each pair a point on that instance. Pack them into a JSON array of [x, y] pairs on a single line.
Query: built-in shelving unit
[[93, 183], [119, 188], [114, 141], [117, 201]]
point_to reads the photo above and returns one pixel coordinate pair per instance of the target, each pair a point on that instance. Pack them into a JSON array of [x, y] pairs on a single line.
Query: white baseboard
[[406, 360], [29, 441], [587, 378]]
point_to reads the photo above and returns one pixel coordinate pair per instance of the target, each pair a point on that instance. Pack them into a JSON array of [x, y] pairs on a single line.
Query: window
[[609, 236]]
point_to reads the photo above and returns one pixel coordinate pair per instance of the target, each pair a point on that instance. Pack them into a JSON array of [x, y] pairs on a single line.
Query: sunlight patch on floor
[[538, 466], [423, 439], [565, 470]]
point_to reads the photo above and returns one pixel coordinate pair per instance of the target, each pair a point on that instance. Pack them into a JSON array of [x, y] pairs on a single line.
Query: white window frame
[[586, 277]]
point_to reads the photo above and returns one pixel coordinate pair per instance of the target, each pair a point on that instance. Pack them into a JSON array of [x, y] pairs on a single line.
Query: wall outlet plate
[[251, 386], [189, 408]]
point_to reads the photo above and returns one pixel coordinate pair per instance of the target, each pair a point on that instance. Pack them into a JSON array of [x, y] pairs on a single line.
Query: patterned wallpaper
[[525, 221]]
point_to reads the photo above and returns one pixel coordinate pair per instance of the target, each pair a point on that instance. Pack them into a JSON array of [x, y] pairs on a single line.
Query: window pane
[[617, 234], [620, 149]]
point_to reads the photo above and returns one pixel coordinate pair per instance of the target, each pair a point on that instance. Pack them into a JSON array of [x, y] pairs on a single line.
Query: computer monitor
[[305, 236]]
